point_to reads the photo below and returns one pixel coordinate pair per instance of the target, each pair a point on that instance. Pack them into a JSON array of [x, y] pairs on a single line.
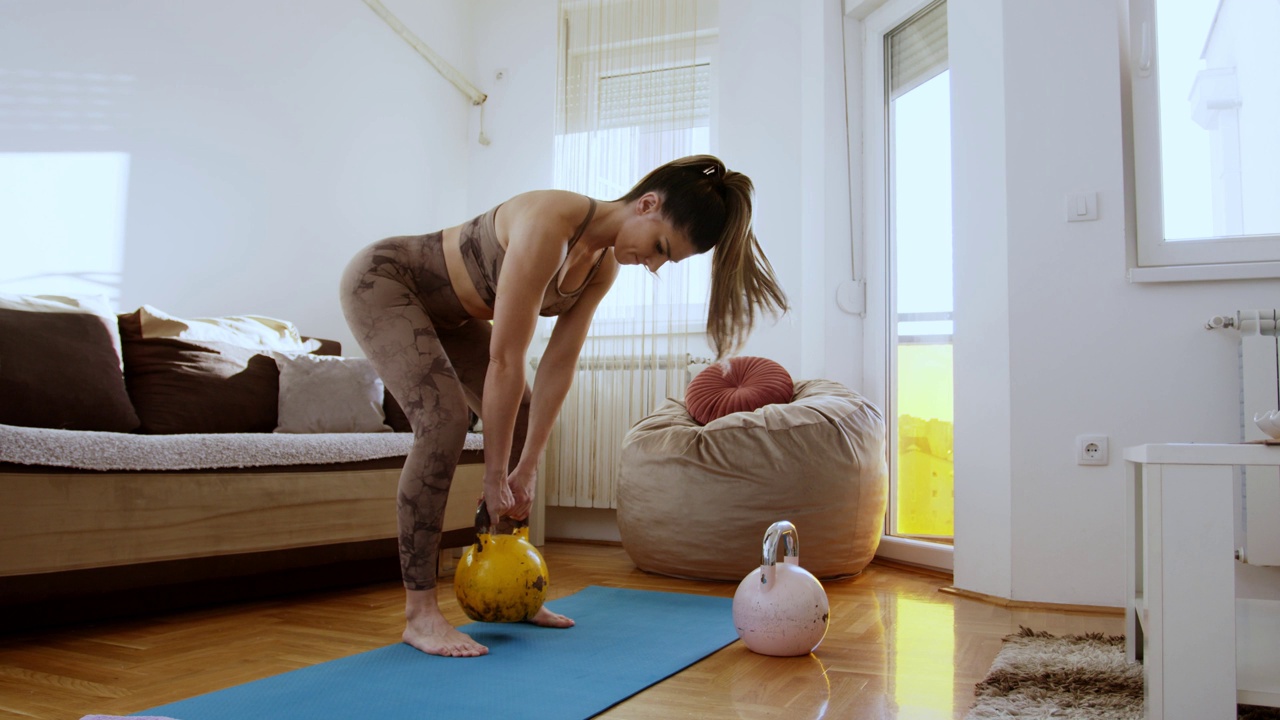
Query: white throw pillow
[[247, 331], [329, 394]]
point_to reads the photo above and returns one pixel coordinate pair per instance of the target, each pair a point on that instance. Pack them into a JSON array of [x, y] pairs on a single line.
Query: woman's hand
[[524, 485], [497, 498]]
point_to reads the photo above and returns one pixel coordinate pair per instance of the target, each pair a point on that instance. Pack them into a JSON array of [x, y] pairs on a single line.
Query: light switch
[[1082, 206]]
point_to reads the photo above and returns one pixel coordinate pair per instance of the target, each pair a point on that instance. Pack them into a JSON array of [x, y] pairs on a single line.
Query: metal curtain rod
[[633, 362], [449, 72]]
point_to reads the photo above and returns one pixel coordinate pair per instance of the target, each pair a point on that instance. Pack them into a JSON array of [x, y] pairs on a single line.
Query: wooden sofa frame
[[67, 535]]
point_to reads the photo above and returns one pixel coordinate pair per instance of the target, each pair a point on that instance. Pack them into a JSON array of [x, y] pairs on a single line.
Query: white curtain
[[634, 91]]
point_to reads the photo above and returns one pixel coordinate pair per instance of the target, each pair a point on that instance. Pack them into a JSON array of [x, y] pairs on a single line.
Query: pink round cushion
[[750, 384]]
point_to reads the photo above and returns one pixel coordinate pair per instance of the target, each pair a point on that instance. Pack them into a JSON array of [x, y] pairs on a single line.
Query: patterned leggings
[[433, 358]]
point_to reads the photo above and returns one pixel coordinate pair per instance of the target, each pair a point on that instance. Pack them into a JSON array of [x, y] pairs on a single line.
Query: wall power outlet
[[1092, 450]]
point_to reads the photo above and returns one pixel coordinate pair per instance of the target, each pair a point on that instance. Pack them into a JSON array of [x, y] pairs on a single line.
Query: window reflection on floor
[[923, 659], [762, 685]]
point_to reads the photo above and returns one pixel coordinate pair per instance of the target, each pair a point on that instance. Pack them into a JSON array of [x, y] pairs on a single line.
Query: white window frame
[[1156, 259], [880, 327]]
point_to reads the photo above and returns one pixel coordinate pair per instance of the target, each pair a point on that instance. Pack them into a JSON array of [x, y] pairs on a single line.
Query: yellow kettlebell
[[502, 576]]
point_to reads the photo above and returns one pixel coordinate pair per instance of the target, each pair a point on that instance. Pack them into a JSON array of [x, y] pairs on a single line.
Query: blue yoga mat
[[624, 641]]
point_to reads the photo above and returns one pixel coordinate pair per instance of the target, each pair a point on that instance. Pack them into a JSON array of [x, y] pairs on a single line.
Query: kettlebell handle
[[506, 525], [791, 540]]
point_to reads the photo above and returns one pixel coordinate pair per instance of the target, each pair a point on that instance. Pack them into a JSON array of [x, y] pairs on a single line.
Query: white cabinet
[[1203, 649]]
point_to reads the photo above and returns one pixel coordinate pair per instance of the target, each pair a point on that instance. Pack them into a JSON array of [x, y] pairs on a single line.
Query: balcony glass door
[[918, 147]]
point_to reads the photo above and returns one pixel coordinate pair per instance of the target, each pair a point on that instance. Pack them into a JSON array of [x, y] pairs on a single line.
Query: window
[[635, 85], [909, 268], [1206, 151], [62, 217]]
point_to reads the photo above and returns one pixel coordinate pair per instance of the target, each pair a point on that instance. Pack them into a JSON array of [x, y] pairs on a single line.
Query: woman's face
[[647, 238]]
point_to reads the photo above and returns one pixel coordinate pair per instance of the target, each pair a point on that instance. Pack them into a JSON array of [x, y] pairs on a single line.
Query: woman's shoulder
[[544, 200], [543, 208]]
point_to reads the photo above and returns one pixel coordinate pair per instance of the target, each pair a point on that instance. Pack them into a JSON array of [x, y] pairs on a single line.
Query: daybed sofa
[[141, 454]]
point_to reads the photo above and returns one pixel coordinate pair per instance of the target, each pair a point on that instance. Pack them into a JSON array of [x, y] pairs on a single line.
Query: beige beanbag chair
[[695, 501]]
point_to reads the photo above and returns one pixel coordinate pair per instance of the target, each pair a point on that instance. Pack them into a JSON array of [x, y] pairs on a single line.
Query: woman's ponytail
[[712, 205]]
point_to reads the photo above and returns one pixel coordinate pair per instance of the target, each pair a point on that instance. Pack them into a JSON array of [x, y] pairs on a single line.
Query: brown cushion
[[396, 418], [327, 347], [61, 370], [749, 384], [186, 387]]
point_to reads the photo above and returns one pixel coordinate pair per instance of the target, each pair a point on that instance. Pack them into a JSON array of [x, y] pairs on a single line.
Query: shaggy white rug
[[1037, 675]]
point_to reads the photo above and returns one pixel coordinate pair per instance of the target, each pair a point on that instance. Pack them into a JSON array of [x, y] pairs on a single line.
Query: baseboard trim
[[912, 567], [1028, 605], [911, 551]]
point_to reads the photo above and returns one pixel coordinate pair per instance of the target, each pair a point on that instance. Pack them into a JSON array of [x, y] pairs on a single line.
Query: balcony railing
[[922, 504]]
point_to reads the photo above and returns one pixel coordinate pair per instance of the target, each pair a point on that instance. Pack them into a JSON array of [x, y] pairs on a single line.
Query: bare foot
[[546, 618], [432, 634]]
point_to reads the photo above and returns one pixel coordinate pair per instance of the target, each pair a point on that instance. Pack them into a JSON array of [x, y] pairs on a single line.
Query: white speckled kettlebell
[[781, 609]]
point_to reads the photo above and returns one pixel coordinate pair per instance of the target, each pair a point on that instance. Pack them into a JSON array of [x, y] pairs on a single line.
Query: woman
[[419, 306]]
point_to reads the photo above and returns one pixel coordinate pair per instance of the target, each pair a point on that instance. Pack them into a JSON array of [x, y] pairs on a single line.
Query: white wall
[[518, 38], [980, 234], [782, 121], [266, 142], [1051, 340]]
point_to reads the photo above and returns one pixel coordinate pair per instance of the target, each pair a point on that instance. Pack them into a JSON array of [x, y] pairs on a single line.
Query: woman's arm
[[556, 371], [534, 253]]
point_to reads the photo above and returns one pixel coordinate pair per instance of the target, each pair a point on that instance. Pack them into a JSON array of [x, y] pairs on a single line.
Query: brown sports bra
[[482, 255]]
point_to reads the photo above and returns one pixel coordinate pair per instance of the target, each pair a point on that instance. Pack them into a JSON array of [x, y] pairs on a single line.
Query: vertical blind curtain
[[917, 50], [651, 99], [634, 84]]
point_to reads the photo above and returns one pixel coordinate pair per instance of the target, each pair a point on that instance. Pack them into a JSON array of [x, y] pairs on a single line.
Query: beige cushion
[[695, 501], [246, 331], [321, 394]]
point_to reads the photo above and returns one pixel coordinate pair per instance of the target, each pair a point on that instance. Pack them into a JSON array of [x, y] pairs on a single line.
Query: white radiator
[[608, 396], [1259, 392]]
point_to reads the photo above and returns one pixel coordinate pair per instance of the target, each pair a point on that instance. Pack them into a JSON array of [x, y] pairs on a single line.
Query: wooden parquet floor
[[896, 648]]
